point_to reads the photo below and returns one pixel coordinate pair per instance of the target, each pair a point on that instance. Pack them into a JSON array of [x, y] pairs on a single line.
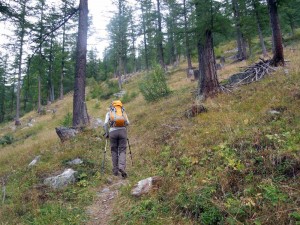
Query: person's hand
[[106, 135]]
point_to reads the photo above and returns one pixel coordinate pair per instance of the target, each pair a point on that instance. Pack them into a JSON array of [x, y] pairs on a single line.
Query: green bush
[[154, 85], [128, 97], [103, 90], [6, 139], [67, 120], [198, 205], [109, 88]]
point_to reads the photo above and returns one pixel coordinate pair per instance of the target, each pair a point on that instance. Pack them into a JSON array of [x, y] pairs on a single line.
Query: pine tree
[[80, 116]]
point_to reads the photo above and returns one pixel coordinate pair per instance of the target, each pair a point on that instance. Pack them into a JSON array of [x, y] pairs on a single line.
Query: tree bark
[[242, 52], [62, 74], [79, 109], [50, 79], [145, 38], [278, 58], [40, 59], [22, 34], [261, 38], [208, 83], [187, 44], [160, 37]]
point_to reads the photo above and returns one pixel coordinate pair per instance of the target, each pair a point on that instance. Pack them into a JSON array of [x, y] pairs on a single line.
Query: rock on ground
[[145, 186], [62, 180]]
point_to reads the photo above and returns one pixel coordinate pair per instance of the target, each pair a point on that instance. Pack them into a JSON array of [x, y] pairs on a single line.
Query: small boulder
[[29, 124], [76, 161], [97, 122], [62, 180], [146, 185], [34, 161], [274, 112], [65, 133]]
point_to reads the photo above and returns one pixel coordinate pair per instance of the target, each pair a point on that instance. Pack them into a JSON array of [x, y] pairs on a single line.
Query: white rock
[[98, 123], [274, 112], [67, 177], [75, 162], [35, 161], [146, 185]]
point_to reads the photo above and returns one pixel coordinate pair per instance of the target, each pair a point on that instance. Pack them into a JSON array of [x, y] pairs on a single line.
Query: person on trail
[[115, 124]]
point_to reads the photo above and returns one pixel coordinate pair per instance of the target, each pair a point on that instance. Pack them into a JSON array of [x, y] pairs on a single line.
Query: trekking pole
[[103, 163], [130, 152]]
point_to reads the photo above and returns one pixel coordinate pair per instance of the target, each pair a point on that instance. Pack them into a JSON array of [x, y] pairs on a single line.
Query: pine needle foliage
[[154, 85]]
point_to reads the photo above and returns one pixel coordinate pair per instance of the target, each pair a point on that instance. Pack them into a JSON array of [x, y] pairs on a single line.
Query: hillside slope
[[235, 164]]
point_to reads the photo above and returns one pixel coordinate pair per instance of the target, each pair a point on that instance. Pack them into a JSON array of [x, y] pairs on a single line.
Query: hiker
[[115, 124]]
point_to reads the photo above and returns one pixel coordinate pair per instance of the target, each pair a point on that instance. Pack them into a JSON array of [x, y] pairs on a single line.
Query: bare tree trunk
[[22, 34], [63, 57], [80, 72], [242, 53], [145, 39], [160, 37], [50, 80], [208, 83], [187, 44], [39, 94], [133, 39], [27, 88], [261, 38], [278, 58], [40, 60]]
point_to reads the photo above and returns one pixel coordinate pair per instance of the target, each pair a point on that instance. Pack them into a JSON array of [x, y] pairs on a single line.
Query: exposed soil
[[101, 210]]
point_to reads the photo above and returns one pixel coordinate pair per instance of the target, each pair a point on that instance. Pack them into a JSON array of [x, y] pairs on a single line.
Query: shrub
[[198, 205], [110, 88], [6, 139], [128, 97], [154, 85], [67, 120]]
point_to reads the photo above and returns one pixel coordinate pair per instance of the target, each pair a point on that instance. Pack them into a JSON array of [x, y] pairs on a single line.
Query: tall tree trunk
[[50, 79], [13, 95], [79, 107], [40, 68], [242, 54], [133, 39], [261, 38], [22, 34], [2, 100], [278, 58], [121, 62], [26, 95], [160, 37], [39, 94], [208, 83], [186, 37], [62, 74], [145, 38]]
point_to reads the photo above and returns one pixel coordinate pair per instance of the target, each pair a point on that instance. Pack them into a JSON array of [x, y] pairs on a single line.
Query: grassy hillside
[[235, 164]]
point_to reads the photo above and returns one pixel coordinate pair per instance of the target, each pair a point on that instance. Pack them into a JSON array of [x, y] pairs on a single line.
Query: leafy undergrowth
[[235, 164]]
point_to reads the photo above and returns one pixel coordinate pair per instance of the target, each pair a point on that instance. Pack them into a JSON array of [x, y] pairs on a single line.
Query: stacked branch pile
[[251, 74]]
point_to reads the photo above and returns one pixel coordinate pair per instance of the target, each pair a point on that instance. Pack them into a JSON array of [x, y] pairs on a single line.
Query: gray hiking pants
[[118, 143]]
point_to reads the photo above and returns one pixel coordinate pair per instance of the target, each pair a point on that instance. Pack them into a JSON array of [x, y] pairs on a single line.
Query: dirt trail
[[101, 210]]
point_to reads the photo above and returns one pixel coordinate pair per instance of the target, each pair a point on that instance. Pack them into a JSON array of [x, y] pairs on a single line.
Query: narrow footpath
[[100, 211]]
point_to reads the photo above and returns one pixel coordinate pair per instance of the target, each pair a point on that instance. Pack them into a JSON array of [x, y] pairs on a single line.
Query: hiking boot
[[123, 173], [115, 172]]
